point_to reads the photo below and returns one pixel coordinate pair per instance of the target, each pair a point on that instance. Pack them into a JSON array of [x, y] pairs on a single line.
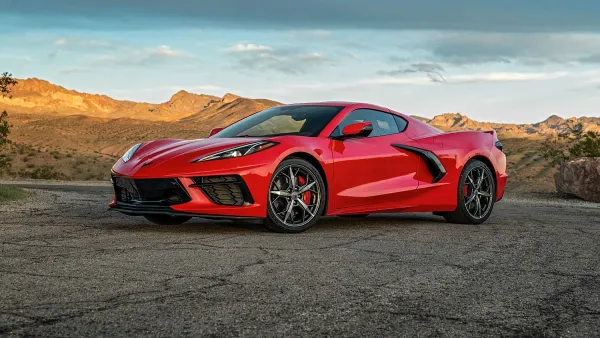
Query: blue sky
[[508, 61]]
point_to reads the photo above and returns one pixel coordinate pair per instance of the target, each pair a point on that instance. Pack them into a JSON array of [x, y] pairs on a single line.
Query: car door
[[369, 173]]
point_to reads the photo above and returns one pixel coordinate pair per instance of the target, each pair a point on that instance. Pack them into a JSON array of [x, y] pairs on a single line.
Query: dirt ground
[[69, 267]]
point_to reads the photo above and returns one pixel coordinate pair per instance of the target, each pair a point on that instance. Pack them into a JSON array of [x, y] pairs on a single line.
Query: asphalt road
[[69, 267]]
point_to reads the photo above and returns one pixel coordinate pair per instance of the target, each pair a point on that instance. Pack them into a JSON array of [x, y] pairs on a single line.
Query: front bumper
[[143, 210], [207, 196]]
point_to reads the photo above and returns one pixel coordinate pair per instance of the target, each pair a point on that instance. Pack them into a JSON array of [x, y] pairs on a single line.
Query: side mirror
[[215, 130], [357, 129]]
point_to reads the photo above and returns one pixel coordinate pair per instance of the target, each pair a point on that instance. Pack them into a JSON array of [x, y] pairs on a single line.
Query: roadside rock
[[580, 178]]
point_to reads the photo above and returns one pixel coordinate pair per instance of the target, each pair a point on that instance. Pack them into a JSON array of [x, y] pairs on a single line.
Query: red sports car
[[291, 164]]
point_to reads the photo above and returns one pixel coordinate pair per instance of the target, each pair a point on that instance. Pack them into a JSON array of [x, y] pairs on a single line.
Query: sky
[[502, 61]]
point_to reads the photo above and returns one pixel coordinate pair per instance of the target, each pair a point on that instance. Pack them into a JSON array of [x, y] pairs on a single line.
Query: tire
[[167, 220], [295, 211], [467, 210]]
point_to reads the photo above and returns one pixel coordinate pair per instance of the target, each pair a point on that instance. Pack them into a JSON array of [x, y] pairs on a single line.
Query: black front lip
[[142, 210]]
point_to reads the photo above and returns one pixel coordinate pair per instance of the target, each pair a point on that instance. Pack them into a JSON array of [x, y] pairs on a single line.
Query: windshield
[[284, 120]]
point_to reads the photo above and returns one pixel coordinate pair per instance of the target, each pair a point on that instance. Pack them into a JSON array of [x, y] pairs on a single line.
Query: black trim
[[157, 191], [498, 145], [138, 210], [231, 182], [434, 165], [396, 117]]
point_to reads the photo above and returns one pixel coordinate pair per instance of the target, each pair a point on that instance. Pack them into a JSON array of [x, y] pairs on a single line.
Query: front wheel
[[167, 220], [476, 195], [297, 196]]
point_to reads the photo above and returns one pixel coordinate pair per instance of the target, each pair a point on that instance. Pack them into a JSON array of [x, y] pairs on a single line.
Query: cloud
[[53, 54], [73, 70], [505, 15], [249, 47], [472, 48], [434, 71], [78, 44], [505, 77], [386, 81], [290, 61], [19, 58], [142, 56], [82, 43], [310, 34]]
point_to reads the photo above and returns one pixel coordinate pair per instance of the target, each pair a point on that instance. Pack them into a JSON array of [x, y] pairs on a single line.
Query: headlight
[[129, 154], [238, 151]]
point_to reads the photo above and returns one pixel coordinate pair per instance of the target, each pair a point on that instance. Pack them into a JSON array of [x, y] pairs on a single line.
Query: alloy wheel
[[478, 192], [295, 195]]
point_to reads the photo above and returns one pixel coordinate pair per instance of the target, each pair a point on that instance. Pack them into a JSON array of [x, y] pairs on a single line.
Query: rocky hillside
[[61, 133], [552, 125], [34, 96], [39, 97]]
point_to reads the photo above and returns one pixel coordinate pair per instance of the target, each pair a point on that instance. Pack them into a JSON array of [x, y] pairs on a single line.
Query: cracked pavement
[[69, 267]]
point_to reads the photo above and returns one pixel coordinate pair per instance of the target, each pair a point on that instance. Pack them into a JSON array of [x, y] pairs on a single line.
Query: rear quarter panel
[[454, 150]]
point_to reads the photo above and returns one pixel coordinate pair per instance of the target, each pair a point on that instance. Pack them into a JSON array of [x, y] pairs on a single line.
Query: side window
[[400, 122], [383, 123]]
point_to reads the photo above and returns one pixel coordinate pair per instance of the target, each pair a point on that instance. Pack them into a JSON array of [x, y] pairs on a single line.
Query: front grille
[[160, 191], [225, 190]]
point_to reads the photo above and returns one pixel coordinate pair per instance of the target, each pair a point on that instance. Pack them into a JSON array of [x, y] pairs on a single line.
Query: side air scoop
[[434, 165]]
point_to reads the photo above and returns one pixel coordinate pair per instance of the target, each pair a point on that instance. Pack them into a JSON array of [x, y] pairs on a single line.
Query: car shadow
[[324, 224]]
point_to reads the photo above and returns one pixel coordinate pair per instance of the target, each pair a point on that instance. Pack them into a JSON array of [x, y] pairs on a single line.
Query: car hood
[[176, 152]]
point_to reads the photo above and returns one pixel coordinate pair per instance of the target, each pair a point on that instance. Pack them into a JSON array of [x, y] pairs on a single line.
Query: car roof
[[338, 104]]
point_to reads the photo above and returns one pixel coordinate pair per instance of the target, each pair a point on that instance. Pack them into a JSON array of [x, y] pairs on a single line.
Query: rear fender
[[454, 150]]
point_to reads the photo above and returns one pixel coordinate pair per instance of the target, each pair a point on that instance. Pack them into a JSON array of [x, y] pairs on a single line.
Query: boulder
[[580, 178]]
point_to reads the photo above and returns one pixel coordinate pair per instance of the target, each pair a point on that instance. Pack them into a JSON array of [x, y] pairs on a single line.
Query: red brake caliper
[[306, 195], [466, 190]]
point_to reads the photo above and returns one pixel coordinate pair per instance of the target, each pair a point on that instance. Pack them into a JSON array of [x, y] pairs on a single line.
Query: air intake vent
[[225, 190], [163, 191]]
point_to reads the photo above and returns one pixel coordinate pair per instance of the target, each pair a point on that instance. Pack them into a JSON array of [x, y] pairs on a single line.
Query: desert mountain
[[230, 109], [39, 97], [34, 96], [76, 135], [552, 125]]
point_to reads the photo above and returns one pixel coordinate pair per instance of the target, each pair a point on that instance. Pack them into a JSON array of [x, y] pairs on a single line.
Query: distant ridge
[[35, 96], [40, 97], [552, 125]]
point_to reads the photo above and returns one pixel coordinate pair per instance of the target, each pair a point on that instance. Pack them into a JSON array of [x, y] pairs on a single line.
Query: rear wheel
[[476, 195], [296, 196], [167, 220]]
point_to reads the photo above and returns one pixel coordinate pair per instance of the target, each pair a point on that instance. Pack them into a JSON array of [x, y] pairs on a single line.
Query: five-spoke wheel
[[296, 196], [476, 195]]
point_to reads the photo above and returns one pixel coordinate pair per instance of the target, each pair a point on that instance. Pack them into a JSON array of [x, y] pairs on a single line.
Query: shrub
[[45, 172], [11, 193], [6, 82], [5, 162], [571, 144]]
